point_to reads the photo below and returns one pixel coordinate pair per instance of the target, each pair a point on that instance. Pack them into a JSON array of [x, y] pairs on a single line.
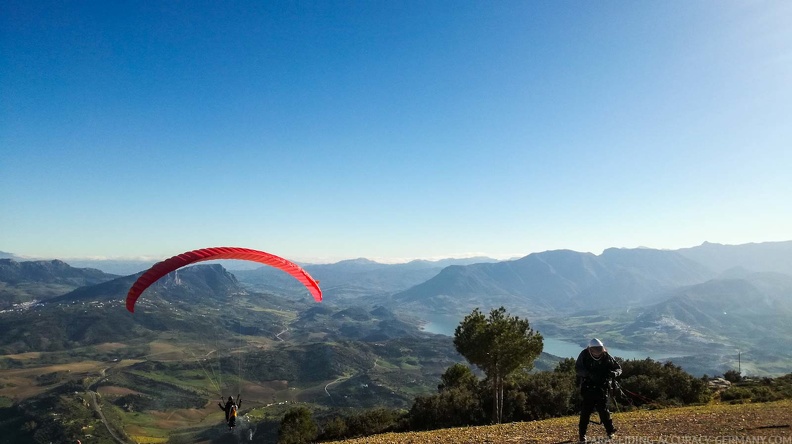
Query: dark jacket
[[596, 373], [228, 405]]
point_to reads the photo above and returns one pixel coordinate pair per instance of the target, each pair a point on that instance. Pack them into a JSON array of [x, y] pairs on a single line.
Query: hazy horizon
[[374, 259]]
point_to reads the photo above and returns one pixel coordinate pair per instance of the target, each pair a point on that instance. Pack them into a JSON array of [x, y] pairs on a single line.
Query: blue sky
[[326, 130]]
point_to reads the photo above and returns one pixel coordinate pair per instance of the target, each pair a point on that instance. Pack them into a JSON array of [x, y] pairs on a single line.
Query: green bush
[[761, 390], [736, 394], [542, 395], [665, 384], [363, 424], [765, 394], [453, 407], [297, 427], [458, 376], [783, 385], [334, 429], [732, 376], [373, 422]]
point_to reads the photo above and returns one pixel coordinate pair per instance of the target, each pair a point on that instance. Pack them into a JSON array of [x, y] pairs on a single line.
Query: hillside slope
[[699, 424], [556, 282], [41, 280], [763, 256]]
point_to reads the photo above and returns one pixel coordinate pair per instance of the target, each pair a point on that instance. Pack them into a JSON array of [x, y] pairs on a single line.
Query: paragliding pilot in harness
[[595, 369], [230, 410]]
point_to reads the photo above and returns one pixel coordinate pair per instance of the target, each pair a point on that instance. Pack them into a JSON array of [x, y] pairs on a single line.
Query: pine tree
[[499, 346]]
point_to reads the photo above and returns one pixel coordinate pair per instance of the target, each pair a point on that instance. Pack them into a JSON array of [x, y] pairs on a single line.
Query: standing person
[[595, 368]]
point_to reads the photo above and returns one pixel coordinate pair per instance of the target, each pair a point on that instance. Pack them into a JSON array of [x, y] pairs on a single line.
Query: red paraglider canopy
[[160, 269]]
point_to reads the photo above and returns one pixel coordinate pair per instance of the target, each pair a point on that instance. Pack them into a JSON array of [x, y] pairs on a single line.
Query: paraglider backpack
[[233, 412]]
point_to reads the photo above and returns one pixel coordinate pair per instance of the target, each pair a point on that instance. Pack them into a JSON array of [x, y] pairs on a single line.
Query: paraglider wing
[[160, 269]]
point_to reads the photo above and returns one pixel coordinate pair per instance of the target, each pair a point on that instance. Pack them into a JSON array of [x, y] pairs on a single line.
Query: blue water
[[445, 325], [441, 324], [565, 349]]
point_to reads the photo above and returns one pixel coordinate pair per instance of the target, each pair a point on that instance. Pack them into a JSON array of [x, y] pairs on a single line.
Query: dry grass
[[23, 356], [19, 384], [111, 390], [710, 423], [166, 351], [176, 419], [149, 440], [109, 347]]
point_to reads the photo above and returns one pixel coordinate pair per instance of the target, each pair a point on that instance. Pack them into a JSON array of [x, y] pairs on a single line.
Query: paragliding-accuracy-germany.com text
[[701, 439]]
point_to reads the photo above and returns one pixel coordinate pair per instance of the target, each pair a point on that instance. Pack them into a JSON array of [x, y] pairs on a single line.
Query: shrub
[[372, 422], [297, 427], [542, 395], [334, 429], [458, 376], [363, 424], [661, 383], [451, 408], [764, 394], [732, 376], [736, 394]]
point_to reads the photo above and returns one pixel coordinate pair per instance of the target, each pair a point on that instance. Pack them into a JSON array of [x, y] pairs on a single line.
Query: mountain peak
[[358, 261], [190, 283], [764, 256], [49, 272]]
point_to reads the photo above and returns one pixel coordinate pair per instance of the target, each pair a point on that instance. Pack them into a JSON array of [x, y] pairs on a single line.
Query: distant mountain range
[[755, 310], [36, 280], [756, 257], [564, 281], [559, 281], [49, 272], [354, 278], [110, 266], [209, 291], [710, 298], [695, 302], [95, 313], [182, 285], [716, 258]]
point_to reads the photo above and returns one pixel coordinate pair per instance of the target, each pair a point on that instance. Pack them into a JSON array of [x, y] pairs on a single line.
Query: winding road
[[98, 410], [338, 379], [95, 404]]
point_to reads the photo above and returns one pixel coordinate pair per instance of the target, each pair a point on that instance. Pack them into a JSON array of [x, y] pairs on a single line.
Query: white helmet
[[596, 343]]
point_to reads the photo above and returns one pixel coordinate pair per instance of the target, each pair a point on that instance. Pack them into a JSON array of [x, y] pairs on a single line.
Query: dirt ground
[[764, 423]]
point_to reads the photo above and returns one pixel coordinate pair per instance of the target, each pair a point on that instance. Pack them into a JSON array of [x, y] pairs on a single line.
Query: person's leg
[[604, 414], [587, 407]]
